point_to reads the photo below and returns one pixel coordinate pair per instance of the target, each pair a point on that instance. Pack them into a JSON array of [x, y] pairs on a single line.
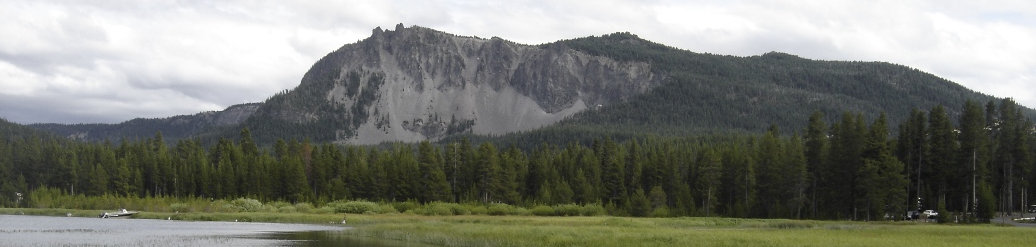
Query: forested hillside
[[850, 168], [713, 93], [174, 128]]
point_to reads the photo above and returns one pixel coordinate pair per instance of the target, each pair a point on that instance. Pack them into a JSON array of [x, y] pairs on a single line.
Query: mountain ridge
[[415, 83], [174, 128]]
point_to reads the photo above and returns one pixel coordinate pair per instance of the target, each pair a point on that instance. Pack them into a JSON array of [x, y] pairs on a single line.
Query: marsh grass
[[622, 231]]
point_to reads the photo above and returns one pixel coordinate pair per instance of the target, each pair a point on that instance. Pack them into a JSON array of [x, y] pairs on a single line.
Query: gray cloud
[[110, 61]]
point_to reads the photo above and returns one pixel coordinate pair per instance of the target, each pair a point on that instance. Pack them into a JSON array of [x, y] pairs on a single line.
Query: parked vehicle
[[930, 213], [913, 215], [1032, 209]]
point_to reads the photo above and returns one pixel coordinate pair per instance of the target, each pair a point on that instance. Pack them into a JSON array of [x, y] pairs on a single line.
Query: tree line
[[852, 168]]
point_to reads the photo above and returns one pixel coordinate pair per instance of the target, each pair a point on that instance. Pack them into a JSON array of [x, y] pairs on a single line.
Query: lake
[[22, 230]]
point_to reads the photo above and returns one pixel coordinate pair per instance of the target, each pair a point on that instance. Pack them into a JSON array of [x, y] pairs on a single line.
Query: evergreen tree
[[640, 205], [505, 179], [847, 141], [738, 182], [562, 193], [614, 186], [974, 150], [433, 180], [912, 146], [816, 155], [98, 181], [634, 165], [709, 179], [941, 157], [770, 185], [882, 182], [796, 176], [581, 188], [488, 166]]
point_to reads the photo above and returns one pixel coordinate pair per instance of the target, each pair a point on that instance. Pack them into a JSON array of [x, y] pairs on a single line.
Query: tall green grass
[[621, 231], [55, 198]]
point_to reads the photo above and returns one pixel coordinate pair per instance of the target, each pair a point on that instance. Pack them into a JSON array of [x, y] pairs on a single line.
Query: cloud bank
[[110, 61]]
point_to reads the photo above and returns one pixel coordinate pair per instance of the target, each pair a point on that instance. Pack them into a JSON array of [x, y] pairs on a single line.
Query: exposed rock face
[[415, 83]]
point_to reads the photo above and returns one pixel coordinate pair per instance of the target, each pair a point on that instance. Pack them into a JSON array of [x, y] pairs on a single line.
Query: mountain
[[14, 130], [172, 128], [415, 83], [707, 92]]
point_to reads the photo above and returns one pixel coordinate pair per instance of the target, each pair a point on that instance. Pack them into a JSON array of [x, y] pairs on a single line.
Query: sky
[[111, 61]]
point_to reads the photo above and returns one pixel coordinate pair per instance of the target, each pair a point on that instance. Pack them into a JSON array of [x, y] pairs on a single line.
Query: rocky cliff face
[[415, 83]]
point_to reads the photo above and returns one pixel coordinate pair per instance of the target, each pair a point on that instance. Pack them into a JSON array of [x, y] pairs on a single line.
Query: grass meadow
[[599, 231]]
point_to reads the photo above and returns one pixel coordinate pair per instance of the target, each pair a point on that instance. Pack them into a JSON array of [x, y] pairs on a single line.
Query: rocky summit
[[414, 83]]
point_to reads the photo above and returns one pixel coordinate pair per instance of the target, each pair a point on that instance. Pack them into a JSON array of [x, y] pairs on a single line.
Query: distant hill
[[415, 83], [172, 128]]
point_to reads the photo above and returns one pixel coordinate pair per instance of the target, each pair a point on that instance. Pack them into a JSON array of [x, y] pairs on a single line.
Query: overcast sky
[[110, 61]]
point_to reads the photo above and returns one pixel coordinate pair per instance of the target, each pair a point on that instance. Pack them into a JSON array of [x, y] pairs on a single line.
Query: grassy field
[[599, 231], [617, 231]]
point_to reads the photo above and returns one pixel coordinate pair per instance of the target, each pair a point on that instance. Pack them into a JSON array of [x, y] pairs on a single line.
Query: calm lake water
[[21, 230]]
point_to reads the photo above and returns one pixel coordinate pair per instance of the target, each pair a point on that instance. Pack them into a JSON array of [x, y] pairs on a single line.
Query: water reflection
[[335, 238], [20, 230]]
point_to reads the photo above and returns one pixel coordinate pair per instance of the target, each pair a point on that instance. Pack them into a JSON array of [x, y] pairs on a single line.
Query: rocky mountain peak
[[415, 83]]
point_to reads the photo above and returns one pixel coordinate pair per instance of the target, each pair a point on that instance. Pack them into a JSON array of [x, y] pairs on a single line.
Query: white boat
[[120, 213]]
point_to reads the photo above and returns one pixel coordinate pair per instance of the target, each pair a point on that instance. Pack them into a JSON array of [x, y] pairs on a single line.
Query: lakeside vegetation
[[487, 230], [683, 231], [475, 224]]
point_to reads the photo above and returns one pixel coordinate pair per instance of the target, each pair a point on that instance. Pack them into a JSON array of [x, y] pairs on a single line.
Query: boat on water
[[120, 213]]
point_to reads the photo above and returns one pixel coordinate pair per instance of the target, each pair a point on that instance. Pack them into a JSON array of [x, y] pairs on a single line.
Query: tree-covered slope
[[174, 128], [709, 93]]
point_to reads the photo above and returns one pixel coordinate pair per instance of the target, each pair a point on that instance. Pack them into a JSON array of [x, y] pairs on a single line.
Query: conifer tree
[[816, 156], [488, 166], [974, 153], [709, 179], [614, 186], [433, 185], [941, 156]]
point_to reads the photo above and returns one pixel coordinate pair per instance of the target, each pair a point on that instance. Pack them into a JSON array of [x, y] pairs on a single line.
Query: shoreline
[[601, 231], [288, 218]]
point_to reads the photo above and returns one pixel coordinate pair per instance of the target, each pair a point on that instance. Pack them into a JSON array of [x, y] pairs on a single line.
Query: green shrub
[[278, 204], [228, 208], [477, 209], [386, 209], [660, 212], [592, 210], [436, 208], [287, 209], [270, 208], [354, 207], [181, 208], [247, 205], [498, 209], [568, 210], [542, 210], [323, 210], [403, 207], [459, 209], [304, 207]]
